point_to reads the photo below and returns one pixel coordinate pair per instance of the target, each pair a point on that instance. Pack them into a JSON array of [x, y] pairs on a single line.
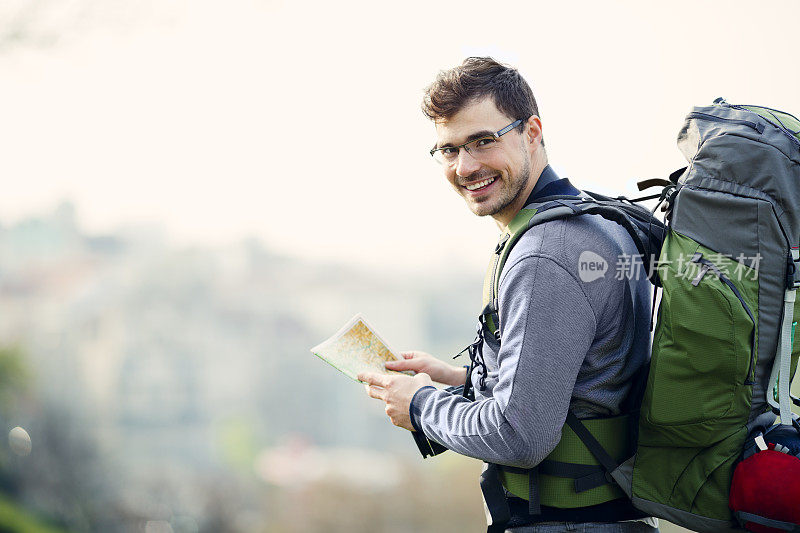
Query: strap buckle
[[502, 243], [793, 269]]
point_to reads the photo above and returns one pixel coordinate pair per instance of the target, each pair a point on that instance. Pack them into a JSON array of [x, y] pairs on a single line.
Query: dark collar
[[549, 184]]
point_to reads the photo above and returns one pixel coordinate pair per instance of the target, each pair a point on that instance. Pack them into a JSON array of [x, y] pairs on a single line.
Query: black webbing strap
[[677, 174], [575, 209], [591, 481], [660, 182], [653, 182], [568, 470], [768, 522], [494, 497], [645, 198], [534, 497], [613, 211], [607, 209], [586, 476], [591, 443]]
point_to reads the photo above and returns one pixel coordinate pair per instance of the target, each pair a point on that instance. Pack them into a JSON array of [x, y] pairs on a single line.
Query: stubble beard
[[515, 185]]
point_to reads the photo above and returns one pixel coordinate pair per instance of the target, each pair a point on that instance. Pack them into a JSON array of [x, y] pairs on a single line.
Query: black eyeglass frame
[[496, 136]]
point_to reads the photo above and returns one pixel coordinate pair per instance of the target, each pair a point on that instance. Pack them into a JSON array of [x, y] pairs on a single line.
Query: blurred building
[[198, 359]]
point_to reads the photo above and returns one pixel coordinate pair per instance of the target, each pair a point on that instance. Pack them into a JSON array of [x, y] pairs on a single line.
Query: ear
[[533, 129]]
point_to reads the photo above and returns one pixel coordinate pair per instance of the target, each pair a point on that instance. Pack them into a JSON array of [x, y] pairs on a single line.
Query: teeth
[[478, 185]]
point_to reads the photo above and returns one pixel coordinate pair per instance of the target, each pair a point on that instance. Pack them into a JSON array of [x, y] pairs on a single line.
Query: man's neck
[[504, 218]]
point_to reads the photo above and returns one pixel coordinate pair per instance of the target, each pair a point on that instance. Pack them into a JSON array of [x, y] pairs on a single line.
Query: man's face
[[507, 166]]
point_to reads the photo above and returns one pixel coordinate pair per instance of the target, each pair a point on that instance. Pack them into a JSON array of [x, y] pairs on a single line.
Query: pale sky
[[299, 122]]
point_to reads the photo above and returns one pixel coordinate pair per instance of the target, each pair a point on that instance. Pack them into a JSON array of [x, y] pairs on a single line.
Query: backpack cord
[[475, 352], [476, 356]]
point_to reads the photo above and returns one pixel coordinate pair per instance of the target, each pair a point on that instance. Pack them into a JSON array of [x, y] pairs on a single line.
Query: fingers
[[400, 365], [372, 378], [373, 383], [392, 413], [414, 361], [375, 392]]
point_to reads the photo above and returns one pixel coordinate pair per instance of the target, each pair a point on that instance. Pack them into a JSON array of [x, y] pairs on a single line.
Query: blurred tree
[[14, 519], [15, 378]]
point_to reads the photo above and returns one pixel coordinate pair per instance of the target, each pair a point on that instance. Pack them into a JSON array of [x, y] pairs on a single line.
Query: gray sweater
[[567, 341]]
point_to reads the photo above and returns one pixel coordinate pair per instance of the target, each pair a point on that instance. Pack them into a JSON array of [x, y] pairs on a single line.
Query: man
[[569, 341]]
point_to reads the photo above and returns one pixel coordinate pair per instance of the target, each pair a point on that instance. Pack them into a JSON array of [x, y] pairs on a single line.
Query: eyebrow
[[472, 137]]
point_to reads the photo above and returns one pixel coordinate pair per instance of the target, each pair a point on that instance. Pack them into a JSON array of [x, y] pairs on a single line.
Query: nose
[[466, 163]]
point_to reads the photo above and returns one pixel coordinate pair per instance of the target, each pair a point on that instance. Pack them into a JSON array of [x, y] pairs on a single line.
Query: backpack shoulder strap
[[646, 231]]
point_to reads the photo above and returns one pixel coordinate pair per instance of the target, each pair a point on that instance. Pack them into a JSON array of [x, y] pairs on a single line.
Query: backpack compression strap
[[781, 368], [745, 518]]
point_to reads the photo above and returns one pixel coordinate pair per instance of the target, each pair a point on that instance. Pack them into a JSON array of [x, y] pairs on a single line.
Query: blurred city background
[[196, 192], [172, 389]]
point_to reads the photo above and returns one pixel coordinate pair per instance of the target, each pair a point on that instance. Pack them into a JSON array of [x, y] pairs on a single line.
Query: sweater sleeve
[[547, 327]]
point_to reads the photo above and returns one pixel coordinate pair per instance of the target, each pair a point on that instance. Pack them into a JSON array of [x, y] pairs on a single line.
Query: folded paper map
[[355, 348]]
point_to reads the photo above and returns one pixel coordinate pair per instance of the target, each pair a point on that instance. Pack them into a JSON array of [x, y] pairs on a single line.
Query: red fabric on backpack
[[767, 484]]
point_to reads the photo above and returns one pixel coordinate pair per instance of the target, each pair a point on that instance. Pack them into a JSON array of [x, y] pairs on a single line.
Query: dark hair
[[476, 78]]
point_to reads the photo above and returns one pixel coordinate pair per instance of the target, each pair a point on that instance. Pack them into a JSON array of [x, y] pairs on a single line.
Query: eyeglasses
[[477, 148]]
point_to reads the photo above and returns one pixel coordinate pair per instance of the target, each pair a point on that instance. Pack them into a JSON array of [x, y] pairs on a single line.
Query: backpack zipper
[[708, 265], [789, 133], [705, 116], [786, 131]]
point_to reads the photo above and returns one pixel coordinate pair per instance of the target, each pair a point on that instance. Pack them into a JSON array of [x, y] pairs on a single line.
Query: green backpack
[[722, 357]]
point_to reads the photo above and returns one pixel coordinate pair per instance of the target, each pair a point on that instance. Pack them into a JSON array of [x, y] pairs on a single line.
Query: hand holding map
[[355, 348]]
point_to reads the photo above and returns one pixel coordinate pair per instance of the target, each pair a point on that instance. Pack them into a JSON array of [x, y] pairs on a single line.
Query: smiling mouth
[[480, 185]]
